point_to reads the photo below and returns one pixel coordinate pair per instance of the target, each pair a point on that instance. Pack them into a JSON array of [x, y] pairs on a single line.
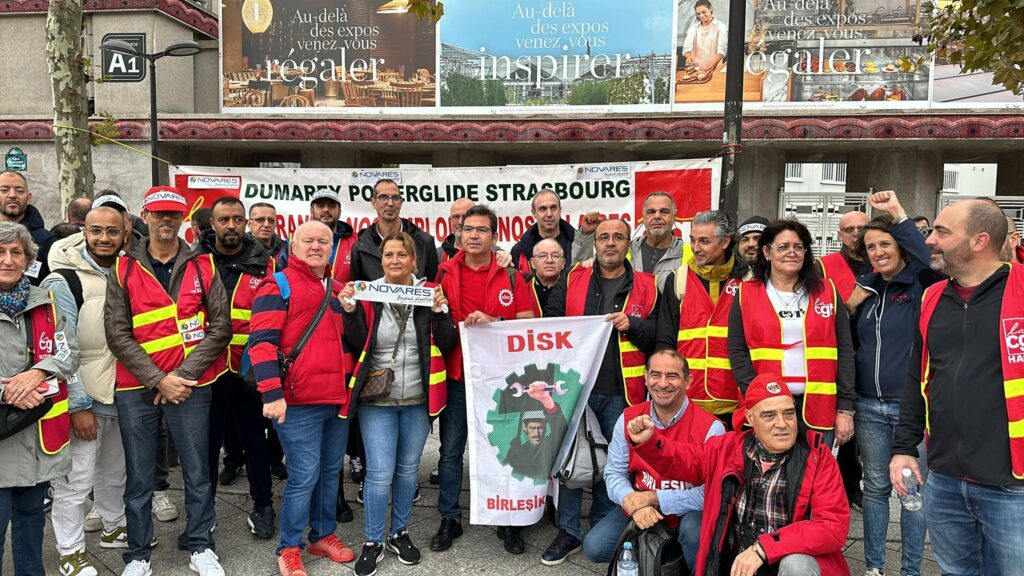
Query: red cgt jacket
[[816, 498]]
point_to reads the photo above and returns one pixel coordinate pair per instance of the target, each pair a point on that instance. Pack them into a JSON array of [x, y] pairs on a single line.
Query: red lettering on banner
[[515, 505], [539, 341], [441, 228]]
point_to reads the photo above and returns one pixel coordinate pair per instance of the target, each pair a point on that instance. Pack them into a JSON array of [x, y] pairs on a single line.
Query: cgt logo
[[824, 310], [1013, 337]]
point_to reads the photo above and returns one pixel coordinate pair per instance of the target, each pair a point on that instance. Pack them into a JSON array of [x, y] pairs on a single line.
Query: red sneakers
[[332, 548], [290, 562]]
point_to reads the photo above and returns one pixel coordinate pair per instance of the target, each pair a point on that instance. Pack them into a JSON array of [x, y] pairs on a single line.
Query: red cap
[[762, 387], [164, 199]]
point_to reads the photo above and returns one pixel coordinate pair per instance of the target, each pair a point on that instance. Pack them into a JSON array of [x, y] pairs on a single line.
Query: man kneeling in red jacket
[[773, 501]]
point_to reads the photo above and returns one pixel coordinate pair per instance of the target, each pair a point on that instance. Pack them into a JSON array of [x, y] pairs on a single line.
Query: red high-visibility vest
[[55, 426], [1011, 348], [640, 302], [703, 340], [241, 312], [835, 268], [166, 330], [341, 259], [763, 331]]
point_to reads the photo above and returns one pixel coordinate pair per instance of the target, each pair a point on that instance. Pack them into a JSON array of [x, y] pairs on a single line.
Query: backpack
[[656, 549], [74, 283], [584, 466]]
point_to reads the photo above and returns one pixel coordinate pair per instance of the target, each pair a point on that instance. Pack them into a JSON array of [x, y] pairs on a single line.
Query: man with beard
[[17, 207], [750, 235], [658, 252], [167, 322], [629, 300], [387, 202], [546, 209], [694, 318], [263, 227], [241, 262], [965, 390], [325, 207], [81, 265]]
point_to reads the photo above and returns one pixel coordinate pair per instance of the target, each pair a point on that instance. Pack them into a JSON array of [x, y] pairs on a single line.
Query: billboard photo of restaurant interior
[[326, 54]]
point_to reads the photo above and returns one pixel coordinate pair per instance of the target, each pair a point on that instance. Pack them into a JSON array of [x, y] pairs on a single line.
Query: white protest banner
[[526, 384], [616, 190], [380, 291]]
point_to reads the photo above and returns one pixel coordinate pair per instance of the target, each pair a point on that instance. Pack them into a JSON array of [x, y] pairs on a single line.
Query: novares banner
[[614, 190], [526, 388]]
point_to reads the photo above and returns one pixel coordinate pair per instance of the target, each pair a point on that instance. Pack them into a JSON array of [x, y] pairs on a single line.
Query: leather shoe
[[446, 533], [343, 512], [512, 537]]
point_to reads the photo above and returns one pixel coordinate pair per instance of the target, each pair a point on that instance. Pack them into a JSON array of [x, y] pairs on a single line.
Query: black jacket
[[523, 250], [966, 404], [366, 253], [668, 313], [252, 259], [447, 248], [33, 220], [426, 322]]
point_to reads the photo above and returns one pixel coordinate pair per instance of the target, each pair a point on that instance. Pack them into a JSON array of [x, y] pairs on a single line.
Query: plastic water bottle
[[627, 565], [912, 501]]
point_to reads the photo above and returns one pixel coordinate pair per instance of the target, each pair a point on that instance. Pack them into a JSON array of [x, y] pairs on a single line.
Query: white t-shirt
[[791, 308]]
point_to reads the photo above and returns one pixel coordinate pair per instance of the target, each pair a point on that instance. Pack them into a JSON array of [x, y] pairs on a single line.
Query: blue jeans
[[607, 408], [22, 508], [188, 425], [393, 437], [599, 545], [976, 528], [313, 439], [453, 446], [875, 423]]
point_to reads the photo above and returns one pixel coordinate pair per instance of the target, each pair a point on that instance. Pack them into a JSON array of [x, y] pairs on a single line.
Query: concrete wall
[[23, 57], [915, 174]]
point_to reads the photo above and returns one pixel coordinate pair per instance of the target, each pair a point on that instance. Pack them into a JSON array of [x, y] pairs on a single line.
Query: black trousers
[[246, 409]]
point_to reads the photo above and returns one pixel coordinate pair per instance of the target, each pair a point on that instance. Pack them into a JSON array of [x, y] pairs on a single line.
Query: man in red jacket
[[771, 497], [304, 404]]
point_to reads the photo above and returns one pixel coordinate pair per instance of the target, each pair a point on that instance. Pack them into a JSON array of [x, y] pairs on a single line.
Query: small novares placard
[[394, 293]]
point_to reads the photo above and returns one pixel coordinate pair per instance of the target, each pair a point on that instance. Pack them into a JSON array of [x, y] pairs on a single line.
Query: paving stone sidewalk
[[478, 551]]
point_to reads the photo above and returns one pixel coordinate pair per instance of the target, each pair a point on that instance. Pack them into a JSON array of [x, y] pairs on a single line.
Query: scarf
[[14, 301], [714, 275], [765, 456]]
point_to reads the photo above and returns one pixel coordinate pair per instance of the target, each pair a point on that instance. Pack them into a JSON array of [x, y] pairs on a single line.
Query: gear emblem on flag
[[526, 436]]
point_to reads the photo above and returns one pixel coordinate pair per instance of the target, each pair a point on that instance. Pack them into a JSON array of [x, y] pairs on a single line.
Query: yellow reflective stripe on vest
[[241, 314], [697, 363], [632, 372], [239, 339], [165, 313], [821, 353], [165, 343], [438, 377], [692, 333], [627, 346], [1017, 429], [718, 331], [57, 409], [720, 363], [824, 388], [1013, 388], [766, 354]]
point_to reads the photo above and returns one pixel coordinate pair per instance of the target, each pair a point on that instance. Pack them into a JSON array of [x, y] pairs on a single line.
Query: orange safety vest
[[437, 391], [55, 426], [835, 268], [167, 331], [763, 331], [639, 303], [1011, 348], [241, 312], [703, 341]]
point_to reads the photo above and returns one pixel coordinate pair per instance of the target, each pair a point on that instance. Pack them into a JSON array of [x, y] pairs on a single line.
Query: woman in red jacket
[[306, 404], [773, 498]]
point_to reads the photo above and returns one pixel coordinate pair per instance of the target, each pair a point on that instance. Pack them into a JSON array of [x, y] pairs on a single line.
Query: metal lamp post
[[732, 139], [178, 49]]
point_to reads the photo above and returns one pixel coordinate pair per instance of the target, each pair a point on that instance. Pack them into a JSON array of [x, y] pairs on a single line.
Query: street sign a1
[[122, 68], [16, 160]]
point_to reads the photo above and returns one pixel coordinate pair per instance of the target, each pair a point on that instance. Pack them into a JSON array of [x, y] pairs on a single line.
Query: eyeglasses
[[98, 232], [617, 237], [553, 257], [476, 229], [851, 229], [265, 220], [787, 248], [390, 198], [926, 232]]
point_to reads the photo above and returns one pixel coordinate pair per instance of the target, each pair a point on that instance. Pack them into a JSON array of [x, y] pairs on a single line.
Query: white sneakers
[[873, 572], [137, 568], [163, 509], [93, 522], [206, 563]]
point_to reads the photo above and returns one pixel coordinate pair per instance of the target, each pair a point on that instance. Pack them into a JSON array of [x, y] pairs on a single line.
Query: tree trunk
[[70, 100]]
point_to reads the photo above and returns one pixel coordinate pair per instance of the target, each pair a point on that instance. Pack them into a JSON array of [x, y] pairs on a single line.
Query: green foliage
[[589, 93], [494, 93], [432, 9], [103, 131], [462, 90], [980, 35], [628, 90]]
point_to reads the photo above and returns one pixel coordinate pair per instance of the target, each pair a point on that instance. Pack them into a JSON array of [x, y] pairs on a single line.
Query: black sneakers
[[448, 531], [366, 564], [512, 539], [229, 474], [261, 522], [402, 545], [356, 470], [563, 546]]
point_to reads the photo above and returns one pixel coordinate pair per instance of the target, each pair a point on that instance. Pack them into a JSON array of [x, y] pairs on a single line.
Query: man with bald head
[[304, 403], [965, 390], [453, 243], [628, 300], [77, 210], [843, 268], [548, 264]]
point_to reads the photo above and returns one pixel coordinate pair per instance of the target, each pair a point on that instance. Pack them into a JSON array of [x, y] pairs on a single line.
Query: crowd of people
[[738, 367]]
